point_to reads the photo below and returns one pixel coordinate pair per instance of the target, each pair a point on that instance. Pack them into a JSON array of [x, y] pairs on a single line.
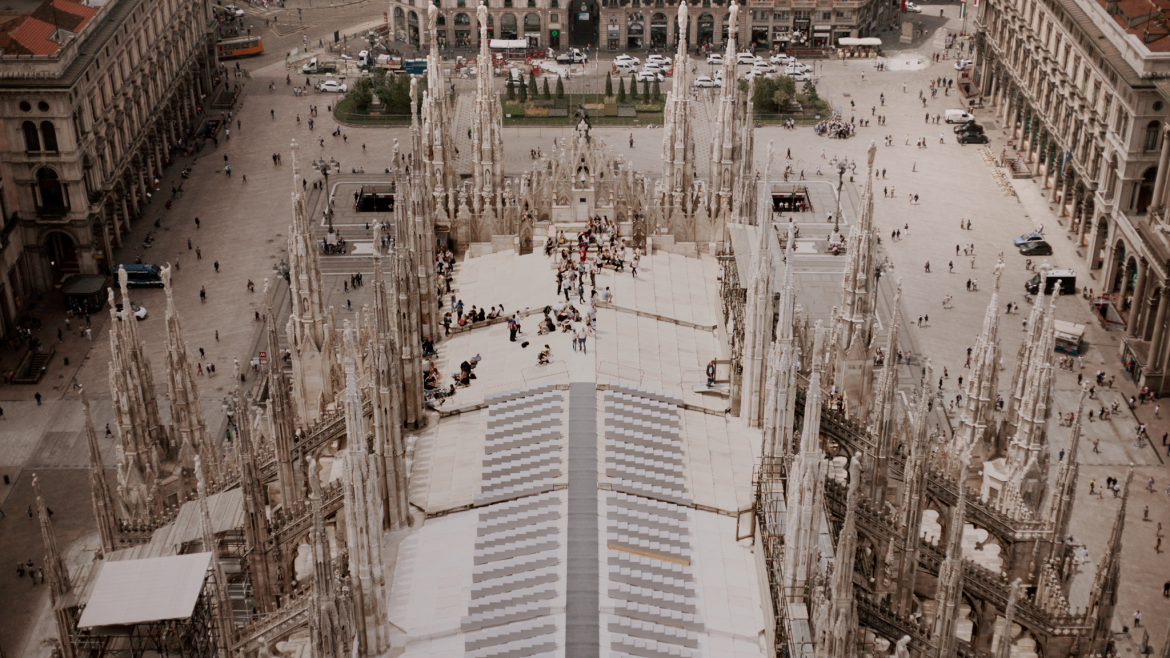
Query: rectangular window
[[779, 15], [826, 15]]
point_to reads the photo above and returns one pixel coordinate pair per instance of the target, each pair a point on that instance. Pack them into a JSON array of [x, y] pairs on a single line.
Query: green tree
[[645, 91], [532, 82], [633, 87], [511, 89], [608, 85], [547, 93], [560, 87], [523, 91], [621, 90], [657, 91], [810, 90]]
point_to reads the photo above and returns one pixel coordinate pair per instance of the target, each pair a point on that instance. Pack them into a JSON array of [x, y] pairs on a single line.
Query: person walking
[[38, 397], [711, 373]]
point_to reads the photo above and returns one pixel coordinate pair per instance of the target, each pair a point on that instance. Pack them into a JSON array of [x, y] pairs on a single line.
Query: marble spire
[[982, 383], [487, 148], [678, 143], [1103, 594], [256, 527], [882, 413], [758, 329], [436, 144], [727, 143], [105, 509], [325, 630], [854, 320], [1003, 639], [188, 427], [387, 393], [806, 482], [783, 365], [363, 519], [139, 452], [220, 602], [56, 574], [909, 514], [841, 641], [950, 574], [282, 409], [310, 334]]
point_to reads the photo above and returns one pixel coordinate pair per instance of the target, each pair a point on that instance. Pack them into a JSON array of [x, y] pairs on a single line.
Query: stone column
[[1159, 328], [1160, 182], [1136, 308]]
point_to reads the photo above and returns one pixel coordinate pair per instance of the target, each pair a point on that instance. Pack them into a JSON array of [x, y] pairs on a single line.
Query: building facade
[[93, 99], [1081, 87], [621, 25]]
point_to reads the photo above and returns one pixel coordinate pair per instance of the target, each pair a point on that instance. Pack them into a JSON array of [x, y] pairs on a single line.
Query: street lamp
[[840, 182]]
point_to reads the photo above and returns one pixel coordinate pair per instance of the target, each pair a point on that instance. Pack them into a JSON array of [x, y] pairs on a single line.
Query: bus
[[241, 47]]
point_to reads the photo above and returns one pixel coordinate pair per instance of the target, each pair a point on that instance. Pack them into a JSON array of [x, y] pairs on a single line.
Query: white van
[[959, 116]]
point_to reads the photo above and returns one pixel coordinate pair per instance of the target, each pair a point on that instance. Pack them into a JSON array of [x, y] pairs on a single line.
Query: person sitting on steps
[[545, 356]]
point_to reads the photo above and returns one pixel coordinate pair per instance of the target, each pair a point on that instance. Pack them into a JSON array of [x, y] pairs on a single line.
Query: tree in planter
[[621, 90], [810, 90], [511, 89], [523, 91], [532, 83], [547, 94], [646, 91], [657, 91], [608, 85], [633, 87], [560, 87]]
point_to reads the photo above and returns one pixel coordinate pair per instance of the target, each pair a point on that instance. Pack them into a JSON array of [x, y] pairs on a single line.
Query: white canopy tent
[[140, 591], [854, 41]]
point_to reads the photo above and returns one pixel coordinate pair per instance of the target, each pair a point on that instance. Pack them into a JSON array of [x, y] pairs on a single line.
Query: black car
[[1040, 248], [972, 138], [971, 127]]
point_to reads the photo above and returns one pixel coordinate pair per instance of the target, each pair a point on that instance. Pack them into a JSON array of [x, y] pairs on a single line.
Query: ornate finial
[[682, 20], [731, 28], [999, 267], [872, 152]]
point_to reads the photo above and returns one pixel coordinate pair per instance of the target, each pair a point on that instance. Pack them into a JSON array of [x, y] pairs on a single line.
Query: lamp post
[[840, 182]]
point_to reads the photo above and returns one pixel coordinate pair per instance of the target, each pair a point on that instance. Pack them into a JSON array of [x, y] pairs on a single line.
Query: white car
[[659, 59], [796, 67], [139, 312], [233, 10], [333, 86], [704, 81], [652, 66], [626, 60], [778, 58], [745, 58], [963, 64], [910, 6], [800, 77], [650, 75], [715, 58], [763, 67]]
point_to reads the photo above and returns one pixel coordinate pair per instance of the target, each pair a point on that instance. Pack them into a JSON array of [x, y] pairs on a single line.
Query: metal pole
[[840, 183]]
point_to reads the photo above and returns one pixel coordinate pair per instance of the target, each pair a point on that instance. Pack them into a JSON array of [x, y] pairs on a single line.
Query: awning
[[853, 41], [508, 43], [139, 591], [822, 28]]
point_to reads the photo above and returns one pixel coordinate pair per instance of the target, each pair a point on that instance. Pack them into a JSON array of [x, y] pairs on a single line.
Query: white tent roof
[[137, 591], [853, 41], [508, 43]]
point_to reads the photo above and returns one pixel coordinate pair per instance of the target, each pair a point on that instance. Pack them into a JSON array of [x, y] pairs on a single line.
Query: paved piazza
[[244, 227]]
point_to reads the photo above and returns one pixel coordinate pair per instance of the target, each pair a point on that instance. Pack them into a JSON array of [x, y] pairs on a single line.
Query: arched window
[[49, 135], [398, 13], [51, 192], [32, 142], [1145, 190], [462, 19], [1152, 130]]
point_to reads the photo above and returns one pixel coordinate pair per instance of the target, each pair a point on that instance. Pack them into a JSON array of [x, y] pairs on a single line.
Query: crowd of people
[[835, 127]]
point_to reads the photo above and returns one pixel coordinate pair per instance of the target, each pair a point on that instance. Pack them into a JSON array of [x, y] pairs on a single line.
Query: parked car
[[1034, 236], [958, 116], [972, 138], [1036, 249], [745, 58], [910, 6], [800, 77], [652, 66], [650, 75], [574, 56], [715, 58], [970, 127], [626, 60], [763, 67], [333, 86], [779, 58], [233, 10], [661, 60], [964, 64], [139, 312], [704, 81], [797, 66]]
